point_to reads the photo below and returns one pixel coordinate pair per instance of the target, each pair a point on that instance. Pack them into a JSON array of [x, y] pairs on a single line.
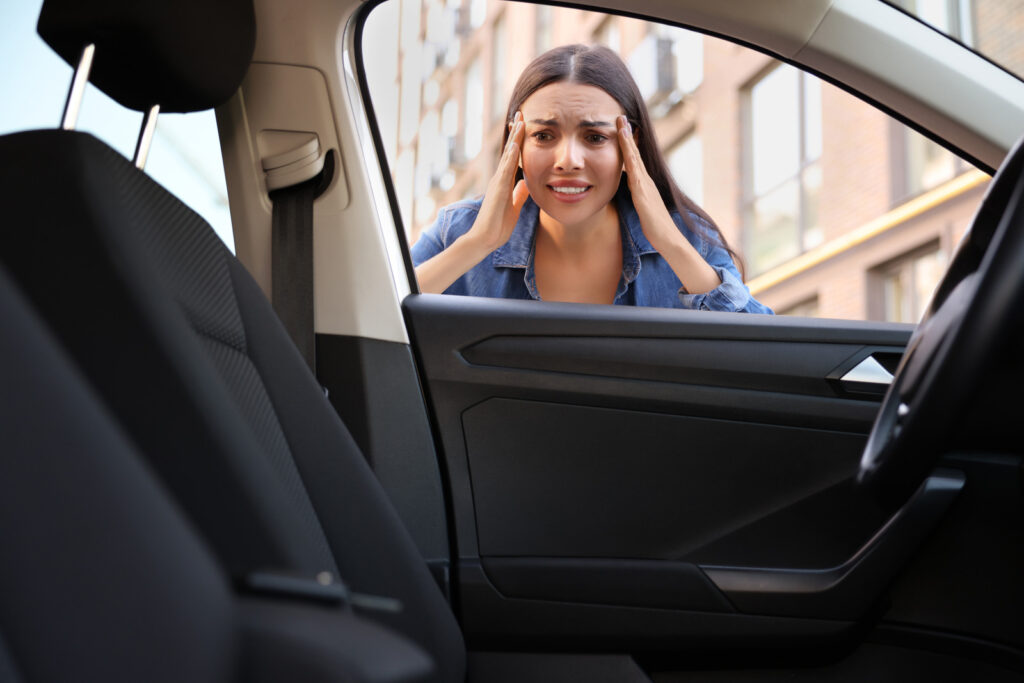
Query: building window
[[905, 286], [607, 34], [687, 56], [782, 182], [473, 128], [667, 65], [952, 17], [925, 164], [477, 13], [498, 50], [542, 37], [808, 308], [686, 162]]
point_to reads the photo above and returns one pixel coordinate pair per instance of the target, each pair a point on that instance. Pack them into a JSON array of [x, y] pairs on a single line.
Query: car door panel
[[604, 463]]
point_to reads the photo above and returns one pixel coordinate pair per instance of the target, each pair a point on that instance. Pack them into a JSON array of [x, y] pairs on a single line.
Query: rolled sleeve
[[429, 244], [732, 295]]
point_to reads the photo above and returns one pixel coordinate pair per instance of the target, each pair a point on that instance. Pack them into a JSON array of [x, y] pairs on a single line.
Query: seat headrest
[[184, 55]]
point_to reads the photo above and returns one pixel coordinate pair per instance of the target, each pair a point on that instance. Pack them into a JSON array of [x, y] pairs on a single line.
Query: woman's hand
[[504, 196], [493, 225], [660, 230]]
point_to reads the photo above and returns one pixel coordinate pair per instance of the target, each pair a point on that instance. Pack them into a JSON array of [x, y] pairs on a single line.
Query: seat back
[[96, 556], [181, 343]]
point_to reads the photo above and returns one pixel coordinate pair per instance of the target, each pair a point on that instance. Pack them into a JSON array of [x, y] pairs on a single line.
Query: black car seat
[[181, 343], [104, 579], [96, 556]]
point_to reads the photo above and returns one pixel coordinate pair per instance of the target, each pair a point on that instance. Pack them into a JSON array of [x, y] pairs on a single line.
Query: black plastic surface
[[492, 620], [818, 532], [797, 367], [842, 592], [554, 480], [637, 583], [878, 663], [544, 667], [373, 386], [967, 578]]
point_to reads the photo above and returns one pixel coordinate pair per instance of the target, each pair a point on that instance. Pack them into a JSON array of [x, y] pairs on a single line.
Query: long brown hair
[[602, 68]]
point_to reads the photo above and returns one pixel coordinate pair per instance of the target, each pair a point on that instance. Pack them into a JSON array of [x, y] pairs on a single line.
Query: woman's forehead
[[566, 102]]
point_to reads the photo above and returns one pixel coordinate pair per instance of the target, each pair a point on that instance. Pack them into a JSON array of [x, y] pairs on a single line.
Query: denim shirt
[[647, 279]]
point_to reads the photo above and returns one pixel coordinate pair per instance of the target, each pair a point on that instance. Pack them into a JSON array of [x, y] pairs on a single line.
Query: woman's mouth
[[570, 193]]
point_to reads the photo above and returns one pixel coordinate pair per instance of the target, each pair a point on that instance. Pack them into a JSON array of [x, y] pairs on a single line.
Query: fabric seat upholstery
[[97, 557], [184, 348]]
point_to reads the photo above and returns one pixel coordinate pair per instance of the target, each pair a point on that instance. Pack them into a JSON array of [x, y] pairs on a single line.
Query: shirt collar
[[517, 252]]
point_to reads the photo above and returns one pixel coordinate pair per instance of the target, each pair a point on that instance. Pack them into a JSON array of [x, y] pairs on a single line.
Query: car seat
[[184, 348], [96, 556]]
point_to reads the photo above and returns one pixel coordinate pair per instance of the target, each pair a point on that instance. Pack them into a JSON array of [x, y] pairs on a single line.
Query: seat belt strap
[[292, 259]]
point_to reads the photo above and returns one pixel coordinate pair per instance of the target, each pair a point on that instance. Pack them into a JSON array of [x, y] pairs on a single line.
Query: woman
[[582, 207]]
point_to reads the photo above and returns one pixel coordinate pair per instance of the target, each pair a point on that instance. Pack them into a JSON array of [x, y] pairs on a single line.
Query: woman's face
[[571, 156]]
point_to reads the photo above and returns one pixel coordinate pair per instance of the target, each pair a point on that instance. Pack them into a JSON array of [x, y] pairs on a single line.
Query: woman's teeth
[[570, 190]]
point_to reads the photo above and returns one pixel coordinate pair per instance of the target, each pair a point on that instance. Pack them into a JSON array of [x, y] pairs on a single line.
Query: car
[[554, 491]]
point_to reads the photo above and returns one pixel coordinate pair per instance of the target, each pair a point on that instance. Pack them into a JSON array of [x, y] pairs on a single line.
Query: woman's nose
[[570, 155]]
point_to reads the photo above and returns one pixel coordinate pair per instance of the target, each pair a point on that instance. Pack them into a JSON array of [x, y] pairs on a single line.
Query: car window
[[836, 209], [185, 155]]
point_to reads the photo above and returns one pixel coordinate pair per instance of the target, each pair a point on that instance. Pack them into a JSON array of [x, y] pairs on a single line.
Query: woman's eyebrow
[[582, 124]]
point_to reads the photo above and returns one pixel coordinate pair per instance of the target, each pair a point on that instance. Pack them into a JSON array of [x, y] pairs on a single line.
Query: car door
[[679, 486], [676, 474]]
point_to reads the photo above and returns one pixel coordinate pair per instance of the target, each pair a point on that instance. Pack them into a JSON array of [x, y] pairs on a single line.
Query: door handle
[[868, 371]]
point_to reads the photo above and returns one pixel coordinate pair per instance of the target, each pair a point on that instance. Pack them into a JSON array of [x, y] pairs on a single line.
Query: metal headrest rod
[[74, 105], [77, 92], [146, 136]]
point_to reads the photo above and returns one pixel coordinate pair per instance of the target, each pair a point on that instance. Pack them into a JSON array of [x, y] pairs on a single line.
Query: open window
[[813, 187]]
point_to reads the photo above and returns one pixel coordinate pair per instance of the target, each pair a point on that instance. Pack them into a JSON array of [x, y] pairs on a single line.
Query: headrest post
[[146, 136], [77, 92]]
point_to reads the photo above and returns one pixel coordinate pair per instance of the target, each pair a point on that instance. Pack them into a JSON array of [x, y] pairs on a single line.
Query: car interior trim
[[837, 593]]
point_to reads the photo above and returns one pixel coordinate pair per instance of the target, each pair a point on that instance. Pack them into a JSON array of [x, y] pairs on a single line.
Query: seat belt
[[292, 258]]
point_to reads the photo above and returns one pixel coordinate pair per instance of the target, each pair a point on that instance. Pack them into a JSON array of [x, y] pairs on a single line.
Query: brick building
[[838, 210]]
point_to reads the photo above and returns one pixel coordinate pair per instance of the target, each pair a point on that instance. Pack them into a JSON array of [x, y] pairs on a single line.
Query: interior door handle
[[868, 371]]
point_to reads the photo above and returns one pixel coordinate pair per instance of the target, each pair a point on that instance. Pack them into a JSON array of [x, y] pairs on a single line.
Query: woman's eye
[[596, 138], [542, 136]]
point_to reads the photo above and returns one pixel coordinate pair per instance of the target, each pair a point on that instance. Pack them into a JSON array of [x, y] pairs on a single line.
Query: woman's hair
[[602, 68]]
